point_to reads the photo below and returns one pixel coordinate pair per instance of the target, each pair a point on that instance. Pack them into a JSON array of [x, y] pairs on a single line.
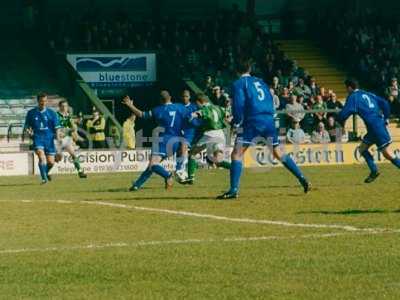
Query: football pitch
[[92, 239]]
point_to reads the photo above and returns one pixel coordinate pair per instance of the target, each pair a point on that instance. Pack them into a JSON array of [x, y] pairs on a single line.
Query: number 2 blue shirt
[[370, 107]]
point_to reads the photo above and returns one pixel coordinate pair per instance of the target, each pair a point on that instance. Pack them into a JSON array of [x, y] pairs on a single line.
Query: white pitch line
[[236, 220], [188, 241], [349, 228], [64, 201]]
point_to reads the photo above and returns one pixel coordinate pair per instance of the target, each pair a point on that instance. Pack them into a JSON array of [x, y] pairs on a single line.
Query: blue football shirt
[[251, 97], [43, 123]]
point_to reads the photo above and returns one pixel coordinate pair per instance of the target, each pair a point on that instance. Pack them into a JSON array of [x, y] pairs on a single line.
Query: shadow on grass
[[138, 195], [134, 197], [351, 212], [18, 184]]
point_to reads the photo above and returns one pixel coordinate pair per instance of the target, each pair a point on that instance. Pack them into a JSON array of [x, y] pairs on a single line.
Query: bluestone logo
[[87, 64]]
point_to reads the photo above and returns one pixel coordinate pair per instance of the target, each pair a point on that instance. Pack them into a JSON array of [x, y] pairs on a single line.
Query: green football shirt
[[66, 123], [213, 117]]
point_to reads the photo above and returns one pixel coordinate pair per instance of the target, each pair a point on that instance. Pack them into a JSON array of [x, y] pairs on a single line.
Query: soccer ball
[[181, 176]]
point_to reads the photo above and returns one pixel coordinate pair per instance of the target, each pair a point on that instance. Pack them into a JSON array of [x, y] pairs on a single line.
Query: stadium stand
[[204, 51], [312, 58], [21, 78], [367, 45]]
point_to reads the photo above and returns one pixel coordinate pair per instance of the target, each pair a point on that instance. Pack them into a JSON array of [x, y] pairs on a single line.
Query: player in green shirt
[[210, 120], [69, 133]]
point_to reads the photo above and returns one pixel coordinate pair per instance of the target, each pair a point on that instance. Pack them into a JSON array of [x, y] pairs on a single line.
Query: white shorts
[[66, 142], [214, 141]]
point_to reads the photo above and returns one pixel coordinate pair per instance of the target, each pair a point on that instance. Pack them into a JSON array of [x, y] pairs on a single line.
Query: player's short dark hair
[[202, 97], [40, 96], [62, 102], [351, 82], [186, 91], [244, 65], [165, 95]]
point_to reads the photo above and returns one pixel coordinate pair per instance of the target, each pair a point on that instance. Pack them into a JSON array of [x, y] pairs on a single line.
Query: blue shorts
[[46, 144], [167, 146], [189, 136], [258, 129], [379, 135]]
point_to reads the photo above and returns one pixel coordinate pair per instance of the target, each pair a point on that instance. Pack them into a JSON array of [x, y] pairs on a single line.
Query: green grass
[[298, 263]]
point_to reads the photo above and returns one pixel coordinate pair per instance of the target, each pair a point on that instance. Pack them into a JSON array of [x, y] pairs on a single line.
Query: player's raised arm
[[129, 103], [238, 100], [195, 118]]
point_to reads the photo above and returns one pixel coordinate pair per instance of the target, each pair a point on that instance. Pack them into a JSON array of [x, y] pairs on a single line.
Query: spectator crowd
[[367, 42], [206, 52]]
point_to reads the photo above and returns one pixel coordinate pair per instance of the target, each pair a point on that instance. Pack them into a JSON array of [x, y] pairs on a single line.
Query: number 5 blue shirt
[[251, 97]]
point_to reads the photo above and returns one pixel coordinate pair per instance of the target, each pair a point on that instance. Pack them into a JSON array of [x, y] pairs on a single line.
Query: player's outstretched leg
[[192, 168], [43, 172], [154, 167], [180, 171], [182, 158], [289, 164], [141, 180], [369, 159], [77, 166], [50, 151], [160, 170], [50, 164], [76, 161], [192, 163], [235, 173], [372, 167], [224, 165], [42, 165], [48, 169], [391, 157]]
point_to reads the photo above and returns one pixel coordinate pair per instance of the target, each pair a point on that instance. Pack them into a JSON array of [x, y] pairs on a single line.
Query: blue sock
[[48, 168], [370, 161], [289, 163], [236, 172], [143, 178], [159, 169], [43, 171], [396, 162]]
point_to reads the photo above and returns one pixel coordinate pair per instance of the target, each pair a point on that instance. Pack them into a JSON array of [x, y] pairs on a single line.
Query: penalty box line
[[239, 220], [187, 242]]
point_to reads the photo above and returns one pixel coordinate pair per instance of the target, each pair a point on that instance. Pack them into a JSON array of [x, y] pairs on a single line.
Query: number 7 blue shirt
[[171, 117]]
